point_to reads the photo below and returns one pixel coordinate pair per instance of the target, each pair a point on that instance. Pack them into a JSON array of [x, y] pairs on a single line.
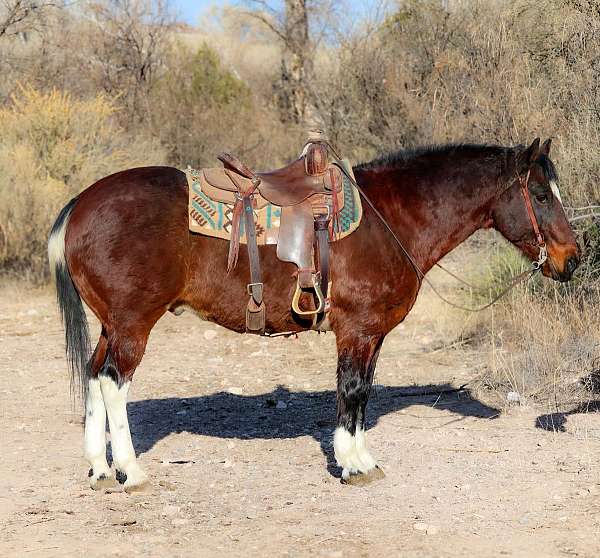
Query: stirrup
[[316, 283]]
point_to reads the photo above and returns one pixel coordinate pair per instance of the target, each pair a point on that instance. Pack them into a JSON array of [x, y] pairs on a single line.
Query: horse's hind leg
[[126, 348], [95, 422], [356, 365]]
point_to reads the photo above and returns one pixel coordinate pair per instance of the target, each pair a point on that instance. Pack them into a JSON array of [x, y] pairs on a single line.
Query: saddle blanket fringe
[[212, 218]]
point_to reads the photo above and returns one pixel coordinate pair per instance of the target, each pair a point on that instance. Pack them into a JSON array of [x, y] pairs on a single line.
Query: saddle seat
[[289, 185]]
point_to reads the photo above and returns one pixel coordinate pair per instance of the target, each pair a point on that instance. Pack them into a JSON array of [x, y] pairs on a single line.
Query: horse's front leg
[[357, 357]]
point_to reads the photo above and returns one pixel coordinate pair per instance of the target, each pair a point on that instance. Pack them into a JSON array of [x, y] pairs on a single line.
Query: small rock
[[281, 405], [235, 390], [513, 397], [170, 511], [210, 334], [425, 528], [227, 464]]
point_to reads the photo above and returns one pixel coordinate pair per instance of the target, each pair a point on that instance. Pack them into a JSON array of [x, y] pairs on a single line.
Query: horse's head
[[534, 172]]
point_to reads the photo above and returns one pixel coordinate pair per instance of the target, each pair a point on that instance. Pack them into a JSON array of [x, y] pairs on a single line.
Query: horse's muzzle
[[552, 270], [569, 268]]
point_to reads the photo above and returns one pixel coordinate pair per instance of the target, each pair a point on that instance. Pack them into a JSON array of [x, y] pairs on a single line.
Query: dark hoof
[[362, 479]]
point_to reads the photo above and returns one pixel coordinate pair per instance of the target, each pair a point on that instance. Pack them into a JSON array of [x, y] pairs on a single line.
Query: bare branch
[[17, 16], [267, 23], [582, 217]]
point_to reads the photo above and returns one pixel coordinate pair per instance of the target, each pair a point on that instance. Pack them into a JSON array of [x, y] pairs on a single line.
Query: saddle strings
[[524, 276]]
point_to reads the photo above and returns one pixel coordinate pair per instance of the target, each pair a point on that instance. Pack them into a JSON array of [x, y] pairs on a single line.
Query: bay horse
[[123, 247]]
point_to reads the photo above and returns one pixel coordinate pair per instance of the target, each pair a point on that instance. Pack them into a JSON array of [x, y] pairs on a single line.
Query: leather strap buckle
[[255, 290]]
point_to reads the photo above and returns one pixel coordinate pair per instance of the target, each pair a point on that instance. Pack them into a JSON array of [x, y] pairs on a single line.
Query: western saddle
[[309, 192]]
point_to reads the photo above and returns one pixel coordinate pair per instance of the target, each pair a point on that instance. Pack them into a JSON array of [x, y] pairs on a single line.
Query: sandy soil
[[235, 432]]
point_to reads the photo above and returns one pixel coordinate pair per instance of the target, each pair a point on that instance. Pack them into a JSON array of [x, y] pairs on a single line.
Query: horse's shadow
[[283, 413], [556, 422]]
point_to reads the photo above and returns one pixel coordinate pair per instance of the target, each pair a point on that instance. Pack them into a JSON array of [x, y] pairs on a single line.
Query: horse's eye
[[542, 198]]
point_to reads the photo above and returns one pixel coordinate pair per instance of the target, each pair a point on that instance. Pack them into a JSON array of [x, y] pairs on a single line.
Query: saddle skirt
[[212, 197]]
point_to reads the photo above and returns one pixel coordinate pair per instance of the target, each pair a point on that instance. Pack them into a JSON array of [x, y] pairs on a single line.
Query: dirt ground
[[235, 432]]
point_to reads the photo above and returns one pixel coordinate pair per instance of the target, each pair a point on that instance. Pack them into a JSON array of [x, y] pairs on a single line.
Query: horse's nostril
[[571, 264]]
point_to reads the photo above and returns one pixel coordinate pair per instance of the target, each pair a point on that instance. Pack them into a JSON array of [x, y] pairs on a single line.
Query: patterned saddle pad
[[213, 218]]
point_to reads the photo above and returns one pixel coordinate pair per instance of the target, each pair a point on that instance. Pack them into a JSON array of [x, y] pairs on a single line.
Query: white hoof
[[362, 479], [136, 479], [101, 478]]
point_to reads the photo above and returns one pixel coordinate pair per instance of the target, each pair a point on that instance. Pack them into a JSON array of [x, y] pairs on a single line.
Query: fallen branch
[[433, 392], [462, 450]]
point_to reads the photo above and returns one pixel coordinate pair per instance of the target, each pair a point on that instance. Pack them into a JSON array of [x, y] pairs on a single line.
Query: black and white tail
[[71, 308]]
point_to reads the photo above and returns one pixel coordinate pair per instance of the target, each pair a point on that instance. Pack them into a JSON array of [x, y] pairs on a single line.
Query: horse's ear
[[527, 157], [545, 149]]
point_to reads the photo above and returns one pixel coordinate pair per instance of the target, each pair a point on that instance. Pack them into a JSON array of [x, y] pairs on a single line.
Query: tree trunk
[[296, 63]]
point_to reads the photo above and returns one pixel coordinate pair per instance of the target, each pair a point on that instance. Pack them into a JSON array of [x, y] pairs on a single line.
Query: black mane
[[404, 156]]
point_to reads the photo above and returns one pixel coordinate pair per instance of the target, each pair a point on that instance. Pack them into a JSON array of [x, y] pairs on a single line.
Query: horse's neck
[[429, 216]]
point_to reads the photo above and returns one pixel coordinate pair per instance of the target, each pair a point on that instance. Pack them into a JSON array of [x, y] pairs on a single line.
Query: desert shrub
[[201, 107], [51, 147], [478, 71]]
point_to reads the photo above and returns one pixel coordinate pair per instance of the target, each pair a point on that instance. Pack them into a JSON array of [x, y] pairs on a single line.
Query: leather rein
[[524, 276]]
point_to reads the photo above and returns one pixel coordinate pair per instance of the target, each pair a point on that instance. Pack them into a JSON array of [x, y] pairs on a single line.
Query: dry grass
[[541, 341], [544, 348], [51, 147]]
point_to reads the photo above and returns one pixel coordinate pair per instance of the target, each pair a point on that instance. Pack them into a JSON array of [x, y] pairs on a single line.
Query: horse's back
[[127, 237]]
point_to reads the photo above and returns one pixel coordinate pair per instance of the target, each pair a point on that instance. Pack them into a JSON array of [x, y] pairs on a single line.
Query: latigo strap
[[255, 311]]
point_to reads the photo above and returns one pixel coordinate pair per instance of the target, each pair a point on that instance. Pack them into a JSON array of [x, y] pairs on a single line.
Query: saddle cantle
[[309, 194]]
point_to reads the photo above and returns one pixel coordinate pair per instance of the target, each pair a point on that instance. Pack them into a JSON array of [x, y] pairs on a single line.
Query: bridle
[[541, 243]]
